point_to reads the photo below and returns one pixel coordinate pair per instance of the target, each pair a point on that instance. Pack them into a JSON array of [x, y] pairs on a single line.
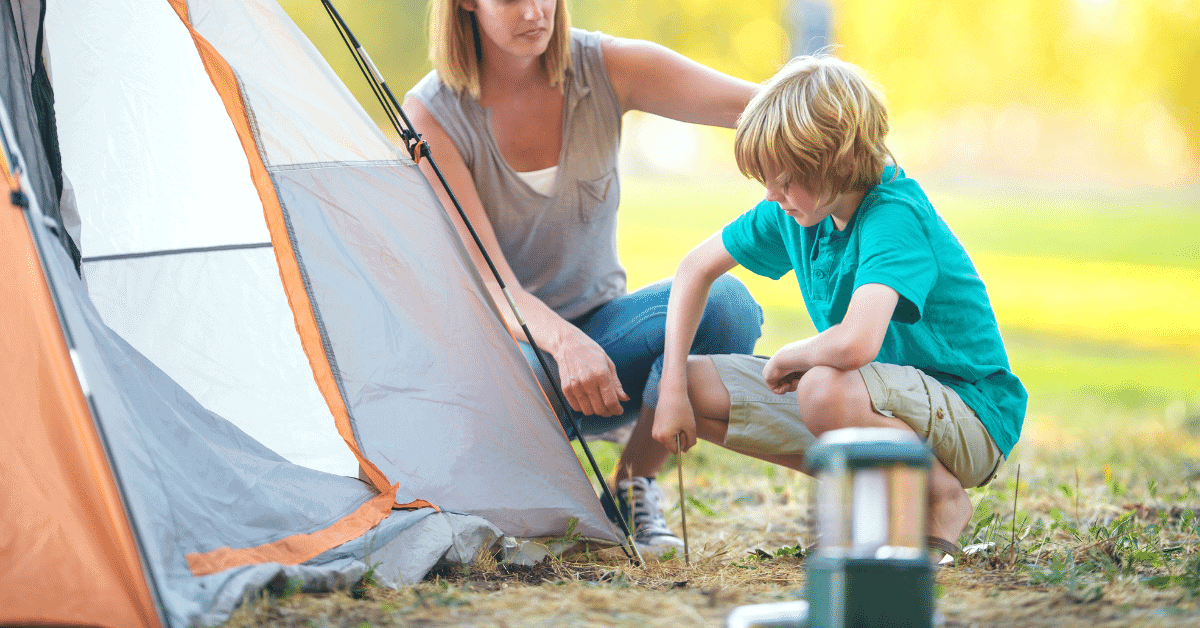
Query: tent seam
[[340, 164], [318, 319]]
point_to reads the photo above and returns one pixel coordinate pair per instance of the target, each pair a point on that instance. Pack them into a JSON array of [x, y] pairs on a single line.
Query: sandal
[[941, 551]]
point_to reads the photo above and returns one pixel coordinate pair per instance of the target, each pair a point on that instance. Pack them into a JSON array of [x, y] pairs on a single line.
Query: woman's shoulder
[[586, 44], [583, 37], [590, 69], [587, 53], [441, 101], [430, 88]]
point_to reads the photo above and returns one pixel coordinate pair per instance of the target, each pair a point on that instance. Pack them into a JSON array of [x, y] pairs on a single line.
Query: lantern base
[[869, 592]]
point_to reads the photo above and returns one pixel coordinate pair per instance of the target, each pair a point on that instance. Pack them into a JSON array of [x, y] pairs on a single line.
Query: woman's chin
[[532, 45]]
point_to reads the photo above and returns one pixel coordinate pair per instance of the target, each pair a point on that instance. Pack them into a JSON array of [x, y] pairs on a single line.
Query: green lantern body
[[870, 568]]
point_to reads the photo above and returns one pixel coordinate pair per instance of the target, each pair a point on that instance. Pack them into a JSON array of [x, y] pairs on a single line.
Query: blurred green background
[[1060, 139]]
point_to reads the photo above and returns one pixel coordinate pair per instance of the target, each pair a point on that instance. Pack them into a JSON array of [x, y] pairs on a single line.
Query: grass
[[1096, 299]]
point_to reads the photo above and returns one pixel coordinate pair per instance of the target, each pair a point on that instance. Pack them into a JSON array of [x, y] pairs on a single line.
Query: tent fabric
[[229, 90], [274, 298], [159, 172], [28, 109], [393, 338], [190, 481], [303, 112], [63, 513], [376, 305], [406, 323]]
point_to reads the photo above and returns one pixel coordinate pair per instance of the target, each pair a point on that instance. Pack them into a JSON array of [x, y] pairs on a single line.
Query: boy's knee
[[706, 390], [823, 399]]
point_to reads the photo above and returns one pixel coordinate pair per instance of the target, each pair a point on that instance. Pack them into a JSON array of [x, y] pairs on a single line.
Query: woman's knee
[[732, 318]]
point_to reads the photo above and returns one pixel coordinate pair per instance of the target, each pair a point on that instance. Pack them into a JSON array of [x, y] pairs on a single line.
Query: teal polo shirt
[[943, 323]]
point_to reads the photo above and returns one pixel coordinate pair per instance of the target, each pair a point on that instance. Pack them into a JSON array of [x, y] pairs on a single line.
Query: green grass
[[1162, 231], [1059, 352], [1153, 233]]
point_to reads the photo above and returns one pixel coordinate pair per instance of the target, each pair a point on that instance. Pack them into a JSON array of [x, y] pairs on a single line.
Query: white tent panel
[[312, 116], [157, 166], [147, 144], [231, 344]]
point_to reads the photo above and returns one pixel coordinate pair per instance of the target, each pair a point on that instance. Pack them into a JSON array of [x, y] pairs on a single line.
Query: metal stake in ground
[[682, 500]]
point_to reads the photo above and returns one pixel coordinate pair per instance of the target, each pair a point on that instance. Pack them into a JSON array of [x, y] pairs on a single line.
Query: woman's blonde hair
[[820, 122], [456, 50]]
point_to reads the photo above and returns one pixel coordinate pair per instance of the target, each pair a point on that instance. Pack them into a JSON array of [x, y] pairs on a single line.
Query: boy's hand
[[788, 383], [674, 416], [589, 377], [784, 370]]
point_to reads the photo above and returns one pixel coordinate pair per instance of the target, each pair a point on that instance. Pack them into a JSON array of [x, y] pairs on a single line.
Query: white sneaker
[[650, 530]]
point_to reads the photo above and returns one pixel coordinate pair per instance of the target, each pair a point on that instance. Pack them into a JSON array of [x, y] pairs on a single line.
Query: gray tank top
[[562, 247]]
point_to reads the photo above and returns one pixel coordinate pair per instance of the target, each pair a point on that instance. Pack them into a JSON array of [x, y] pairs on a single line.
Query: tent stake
[[687, 560], [419, 149]]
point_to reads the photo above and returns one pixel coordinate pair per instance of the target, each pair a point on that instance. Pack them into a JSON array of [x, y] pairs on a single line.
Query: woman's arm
[[689, 295], [588, 376], [651, 78]]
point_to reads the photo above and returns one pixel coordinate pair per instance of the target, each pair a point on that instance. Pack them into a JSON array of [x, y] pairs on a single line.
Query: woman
[[524, 117]]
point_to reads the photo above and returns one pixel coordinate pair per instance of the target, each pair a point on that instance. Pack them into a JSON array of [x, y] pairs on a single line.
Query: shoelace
[[648, 518]]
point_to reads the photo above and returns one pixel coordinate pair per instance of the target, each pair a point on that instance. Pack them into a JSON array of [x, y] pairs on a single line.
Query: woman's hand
[[588, 376], [672, 417]]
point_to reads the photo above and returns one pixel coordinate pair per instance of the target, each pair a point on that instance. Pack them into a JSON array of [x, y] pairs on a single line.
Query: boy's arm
[[849, 345], [689, 294]]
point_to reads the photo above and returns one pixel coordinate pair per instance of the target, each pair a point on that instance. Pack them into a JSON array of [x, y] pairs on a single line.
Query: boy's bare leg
[[710, 406], [831, 399], [644, 456]]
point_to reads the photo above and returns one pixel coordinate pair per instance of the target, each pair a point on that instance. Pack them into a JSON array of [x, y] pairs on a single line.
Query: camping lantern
[[870, 567]]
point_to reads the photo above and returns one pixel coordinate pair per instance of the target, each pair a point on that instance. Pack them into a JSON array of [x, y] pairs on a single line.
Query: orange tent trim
[[298, 548], [50, 570]]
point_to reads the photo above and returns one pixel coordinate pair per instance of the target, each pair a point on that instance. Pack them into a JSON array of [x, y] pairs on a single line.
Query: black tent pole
[[419, 149]]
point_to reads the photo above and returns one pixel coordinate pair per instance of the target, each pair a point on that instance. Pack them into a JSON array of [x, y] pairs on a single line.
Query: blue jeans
[[632, 330]]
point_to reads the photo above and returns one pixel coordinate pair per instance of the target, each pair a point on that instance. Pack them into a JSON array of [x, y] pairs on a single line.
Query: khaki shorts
[[761, 421]]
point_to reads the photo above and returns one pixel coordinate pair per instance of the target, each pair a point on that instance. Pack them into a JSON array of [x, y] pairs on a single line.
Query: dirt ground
[[1108, 535], [572, 594], [740, 554]]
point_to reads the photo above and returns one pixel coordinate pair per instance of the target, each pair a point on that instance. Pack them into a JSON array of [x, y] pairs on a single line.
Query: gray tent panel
[[29, 106], [193, 482], [421, 357]]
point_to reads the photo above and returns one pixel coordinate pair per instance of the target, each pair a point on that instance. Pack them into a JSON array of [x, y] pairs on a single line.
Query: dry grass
[[1119, 548]]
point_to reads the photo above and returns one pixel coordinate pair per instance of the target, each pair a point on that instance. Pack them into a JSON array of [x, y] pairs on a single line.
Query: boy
[[907, 335]]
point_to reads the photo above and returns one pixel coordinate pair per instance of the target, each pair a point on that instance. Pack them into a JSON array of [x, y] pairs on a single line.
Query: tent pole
[[419, 149]]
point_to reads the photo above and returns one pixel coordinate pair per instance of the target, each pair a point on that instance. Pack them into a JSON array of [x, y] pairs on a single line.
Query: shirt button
[[819, 274]]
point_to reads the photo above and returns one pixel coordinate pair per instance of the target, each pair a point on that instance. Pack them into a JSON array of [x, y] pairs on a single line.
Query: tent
[[274, 362]]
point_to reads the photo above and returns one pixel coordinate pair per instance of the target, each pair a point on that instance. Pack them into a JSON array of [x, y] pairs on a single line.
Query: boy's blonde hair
[[456, 51], [820, 123]]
